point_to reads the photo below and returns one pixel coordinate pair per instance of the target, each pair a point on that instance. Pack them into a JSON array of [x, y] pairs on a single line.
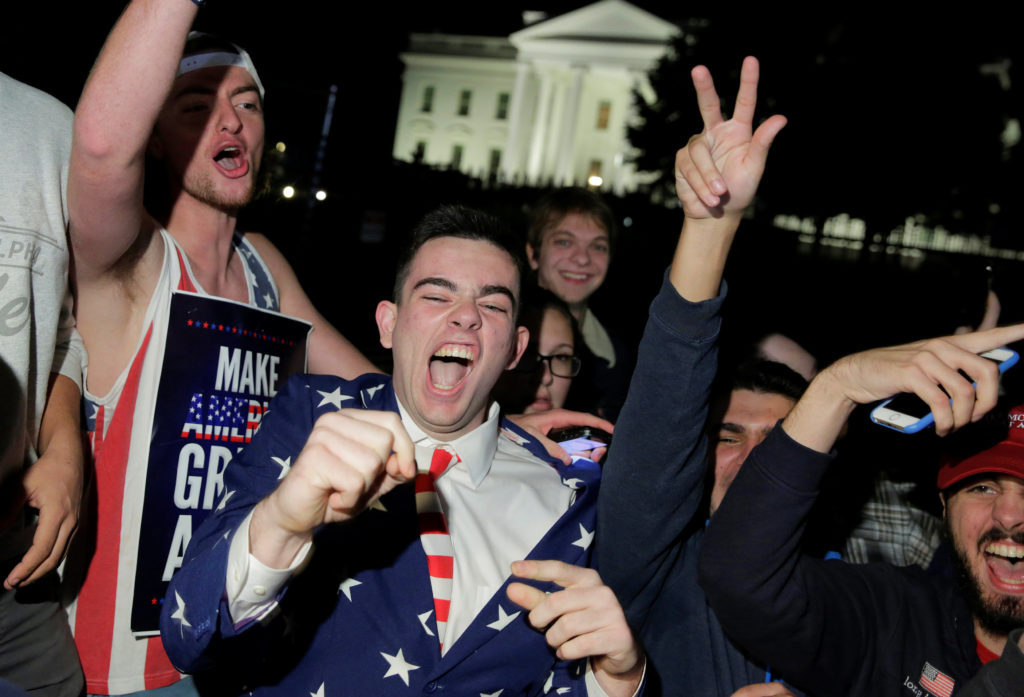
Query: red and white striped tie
[[437, 543]]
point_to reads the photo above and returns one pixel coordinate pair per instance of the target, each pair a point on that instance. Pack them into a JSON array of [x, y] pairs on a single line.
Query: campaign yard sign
[[223, 362]]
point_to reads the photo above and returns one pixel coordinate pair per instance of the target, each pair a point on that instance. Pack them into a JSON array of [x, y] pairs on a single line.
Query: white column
[[549, 156], [540, 127], [511, 160], [567, 138]]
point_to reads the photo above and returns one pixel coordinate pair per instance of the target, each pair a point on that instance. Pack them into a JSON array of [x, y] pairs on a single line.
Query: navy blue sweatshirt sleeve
[[653, 478]]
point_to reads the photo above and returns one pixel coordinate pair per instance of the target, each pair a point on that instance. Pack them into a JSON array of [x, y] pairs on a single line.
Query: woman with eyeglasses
[[542, 378]]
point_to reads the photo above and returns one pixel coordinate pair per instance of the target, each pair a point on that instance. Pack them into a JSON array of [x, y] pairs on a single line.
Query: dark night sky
[[300, 54]]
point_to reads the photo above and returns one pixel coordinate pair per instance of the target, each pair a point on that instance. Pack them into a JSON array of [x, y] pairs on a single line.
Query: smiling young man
[[166, 151], [569, 245], [326, 571], [873, 629]]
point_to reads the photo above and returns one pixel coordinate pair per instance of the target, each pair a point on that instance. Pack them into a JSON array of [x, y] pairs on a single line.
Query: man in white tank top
[[200, 117]]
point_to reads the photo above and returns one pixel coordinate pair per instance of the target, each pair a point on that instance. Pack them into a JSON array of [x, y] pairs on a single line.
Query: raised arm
[[113, 123], [717, 174], [921, 367], [654, 474]]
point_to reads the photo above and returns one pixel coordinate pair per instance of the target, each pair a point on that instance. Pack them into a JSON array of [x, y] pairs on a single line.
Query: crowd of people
[[260, 510]]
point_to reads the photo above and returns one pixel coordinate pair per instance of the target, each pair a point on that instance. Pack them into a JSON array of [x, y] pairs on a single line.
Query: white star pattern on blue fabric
[[346, 587], [585, 538], [573, 483], [267, 300], [319, 691], [377, 506], [504, 619], [492, 694], [563, 690], [335, 398], [224, 501], [549, 682], [285, 464], [179, 613], [423, 620], [397, 665], [369, 392]]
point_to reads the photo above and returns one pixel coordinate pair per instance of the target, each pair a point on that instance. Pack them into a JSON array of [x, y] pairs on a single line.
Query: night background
[[889, 118]]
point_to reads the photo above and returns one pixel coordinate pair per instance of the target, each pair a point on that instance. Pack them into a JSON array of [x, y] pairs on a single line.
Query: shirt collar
[[476, 449], [595, 336]]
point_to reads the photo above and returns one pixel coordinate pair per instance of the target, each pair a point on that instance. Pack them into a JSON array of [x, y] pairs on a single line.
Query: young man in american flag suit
[[366, 536]]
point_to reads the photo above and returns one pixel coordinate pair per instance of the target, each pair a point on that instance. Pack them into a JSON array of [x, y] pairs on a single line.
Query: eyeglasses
[[563, 365]]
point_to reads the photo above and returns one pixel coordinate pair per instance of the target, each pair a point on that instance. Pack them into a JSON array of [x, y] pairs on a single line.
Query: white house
[[548, 103]]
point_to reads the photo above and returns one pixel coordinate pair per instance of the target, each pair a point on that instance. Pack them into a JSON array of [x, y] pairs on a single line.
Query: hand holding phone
[[907, 413]]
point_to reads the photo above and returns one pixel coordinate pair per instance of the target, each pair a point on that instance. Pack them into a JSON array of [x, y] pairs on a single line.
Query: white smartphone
[[907, 413]]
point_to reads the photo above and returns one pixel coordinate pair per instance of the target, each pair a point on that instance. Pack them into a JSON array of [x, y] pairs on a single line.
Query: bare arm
[[113, 123], [330, 353], [53, 484]]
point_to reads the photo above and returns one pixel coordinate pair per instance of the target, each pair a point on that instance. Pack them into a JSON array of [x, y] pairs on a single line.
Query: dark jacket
[[650, 518], [848, 630]]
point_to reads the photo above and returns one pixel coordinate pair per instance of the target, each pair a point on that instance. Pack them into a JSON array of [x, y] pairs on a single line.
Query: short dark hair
[[464, 223], [554, 206], [768, 377]]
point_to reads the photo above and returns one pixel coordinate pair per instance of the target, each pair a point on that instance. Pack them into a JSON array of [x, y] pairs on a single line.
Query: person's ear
[[531, 256], [522, 340], [387, 315]]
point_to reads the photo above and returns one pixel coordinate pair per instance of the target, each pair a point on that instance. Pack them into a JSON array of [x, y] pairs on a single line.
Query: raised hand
[[922, 368], [585, 619], [351, 458], [719, 169]]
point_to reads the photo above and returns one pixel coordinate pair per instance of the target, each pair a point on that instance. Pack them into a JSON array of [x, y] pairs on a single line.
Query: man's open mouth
[[1006, 562], [230, 158], [450, 365]]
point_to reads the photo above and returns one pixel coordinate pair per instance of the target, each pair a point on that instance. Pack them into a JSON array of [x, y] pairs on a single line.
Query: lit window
[[594, 178], [464, 97], [502, 113], [428, 99], [456, 157], [604, 110]]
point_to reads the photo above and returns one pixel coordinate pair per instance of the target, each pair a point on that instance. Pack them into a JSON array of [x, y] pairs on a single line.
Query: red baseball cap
[[1005, 457]]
